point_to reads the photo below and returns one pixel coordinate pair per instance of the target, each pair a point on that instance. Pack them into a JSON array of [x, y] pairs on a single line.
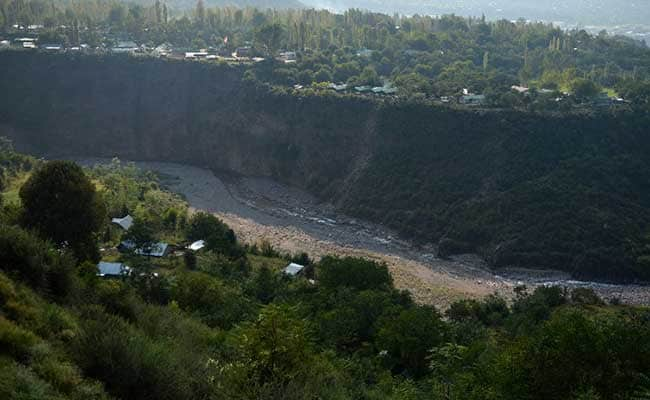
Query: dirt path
[[293, 221]]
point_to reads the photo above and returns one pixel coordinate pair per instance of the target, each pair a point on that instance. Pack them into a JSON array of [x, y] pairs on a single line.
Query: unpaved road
[[293, 221]]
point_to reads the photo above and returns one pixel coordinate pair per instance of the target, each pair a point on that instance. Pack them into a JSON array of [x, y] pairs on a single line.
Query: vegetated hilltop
[[226, 322], [562, 191]]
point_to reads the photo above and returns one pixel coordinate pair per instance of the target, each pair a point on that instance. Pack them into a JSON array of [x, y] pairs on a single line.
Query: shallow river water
[[292, 220]]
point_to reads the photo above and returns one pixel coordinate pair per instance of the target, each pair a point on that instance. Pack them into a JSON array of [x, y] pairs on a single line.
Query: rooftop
[[293, 269], [112, 269]]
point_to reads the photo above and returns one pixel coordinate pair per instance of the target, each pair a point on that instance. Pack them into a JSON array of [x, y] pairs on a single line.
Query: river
[[293, 221]]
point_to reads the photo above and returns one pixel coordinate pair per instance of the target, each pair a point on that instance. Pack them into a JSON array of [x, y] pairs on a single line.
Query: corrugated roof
[[157, 249], [112, 269], [125, 222], [293, 269], [196, 246]]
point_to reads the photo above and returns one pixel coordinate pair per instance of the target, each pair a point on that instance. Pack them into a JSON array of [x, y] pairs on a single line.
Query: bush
[[15, 340], [269, 355], [408, 337], [586, 297], [132, 365], [18, 382], [214, 303], [217, 235], [357, 273], [35, 262]]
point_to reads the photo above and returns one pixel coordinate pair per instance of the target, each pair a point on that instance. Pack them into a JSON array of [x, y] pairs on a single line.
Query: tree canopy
[[61, 203]]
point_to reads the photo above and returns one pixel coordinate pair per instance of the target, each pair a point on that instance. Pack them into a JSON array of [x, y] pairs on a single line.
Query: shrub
[[358, 273], [15, 340], [33, 261], [408, 337], [217, 235]]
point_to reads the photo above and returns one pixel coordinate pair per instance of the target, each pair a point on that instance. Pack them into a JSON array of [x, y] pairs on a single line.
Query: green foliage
[[141, 234], [265, 285], [14, 340], [234, 328], [356, 273], [270, 37], [270, 355], [35, 262], [61, 203], [585, 296], [212, 301], [131, 364], [190, 260], [217, 235], [492, 311], [574, 353], [584, 88], [408, 337]]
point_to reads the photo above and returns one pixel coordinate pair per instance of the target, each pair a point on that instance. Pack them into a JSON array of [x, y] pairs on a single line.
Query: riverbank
[[293, 221]]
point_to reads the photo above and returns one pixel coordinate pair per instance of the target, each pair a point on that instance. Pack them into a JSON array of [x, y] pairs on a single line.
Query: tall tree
[[158, 12], [62, 205], [200, 12], [270, 37]]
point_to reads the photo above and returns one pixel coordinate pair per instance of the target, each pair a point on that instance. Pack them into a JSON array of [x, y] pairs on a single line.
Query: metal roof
[[125, 222], [156, 250], [293, 269], [112, 269], [196, 246]]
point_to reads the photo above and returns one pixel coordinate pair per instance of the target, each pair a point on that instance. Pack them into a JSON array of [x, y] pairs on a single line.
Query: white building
[[111, 269], [293, 269], [124, 223]]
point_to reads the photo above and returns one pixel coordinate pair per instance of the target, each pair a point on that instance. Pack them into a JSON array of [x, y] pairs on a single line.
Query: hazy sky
[[605, 12]]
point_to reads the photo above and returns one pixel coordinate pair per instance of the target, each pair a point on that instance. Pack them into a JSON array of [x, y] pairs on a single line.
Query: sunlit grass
[[11, 195], [271, 262]]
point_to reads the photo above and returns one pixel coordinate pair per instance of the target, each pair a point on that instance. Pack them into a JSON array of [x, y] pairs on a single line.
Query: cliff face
[[569, 192], [177, 111]]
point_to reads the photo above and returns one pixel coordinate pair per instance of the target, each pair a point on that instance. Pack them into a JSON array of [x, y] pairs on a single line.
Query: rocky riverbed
[[293, 221]]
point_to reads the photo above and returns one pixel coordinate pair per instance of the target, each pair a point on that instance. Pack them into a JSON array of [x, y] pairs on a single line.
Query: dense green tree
[[265, 285], [584, 88], [408, 337], [269, 36], [61, 203], [210, 299], [272, 353], [357, 273], [218, 236], [142, 235]]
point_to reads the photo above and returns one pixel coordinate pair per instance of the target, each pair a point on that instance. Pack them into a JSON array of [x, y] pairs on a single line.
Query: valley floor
[[293, 221]]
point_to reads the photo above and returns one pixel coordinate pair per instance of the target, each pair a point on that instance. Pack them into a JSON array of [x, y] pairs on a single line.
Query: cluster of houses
[[246, 54], [242, 54], [31, 43], [106, 269], [601, 100], [157, 250], [386, 89]]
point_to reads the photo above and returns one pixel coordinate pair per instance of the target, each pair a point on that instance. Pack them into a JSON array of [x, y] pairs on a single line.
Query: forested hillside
[[564, 191], [419, 56], [224, 321]]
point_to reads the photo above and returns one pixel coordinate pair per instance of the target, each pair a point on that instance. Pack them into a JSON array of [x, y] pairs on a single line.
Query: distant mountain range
[[598, 12], [606, 14], [279, 4]]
